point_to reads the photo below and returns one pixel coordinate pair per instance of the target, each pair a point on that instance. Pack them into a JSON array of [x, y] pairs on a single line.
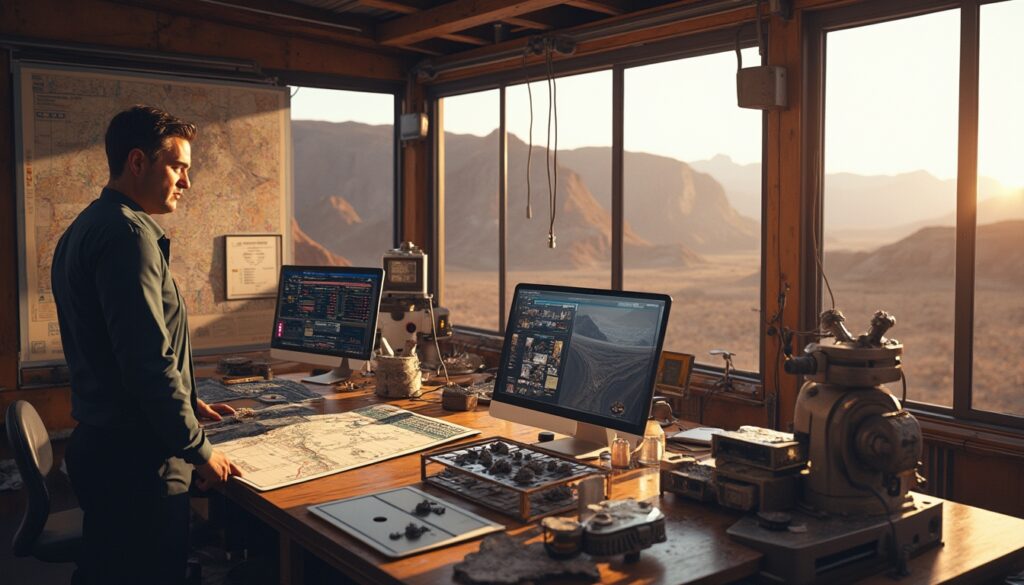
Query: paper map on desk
[[330, 443]]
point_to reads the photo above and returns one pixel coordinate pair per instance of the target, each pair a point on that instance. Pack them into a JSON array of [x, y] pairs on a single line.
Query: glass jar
[[653, 445]]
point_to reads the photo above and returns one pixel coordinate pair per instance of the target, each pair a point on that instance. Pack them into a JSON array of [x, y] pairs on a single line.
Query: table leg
[[291, 565]]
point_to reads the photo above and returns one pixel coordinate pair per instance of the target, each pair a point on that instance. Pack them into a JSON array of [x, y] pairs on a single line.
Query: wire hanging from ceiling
[[552, 155], [529, 148]]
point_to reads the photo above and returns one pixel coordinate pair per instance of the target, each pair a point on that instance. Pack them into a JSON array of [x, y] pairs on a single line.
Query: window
[[998, 352], [471, 208], [890, 187], [923, 195], [692, 200], [343, 161], [691, 213]]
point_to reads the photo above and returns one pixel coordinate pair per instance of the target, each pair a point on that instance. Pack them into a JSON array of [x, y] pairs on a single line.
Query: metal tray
[[551, 490], [373, 518]]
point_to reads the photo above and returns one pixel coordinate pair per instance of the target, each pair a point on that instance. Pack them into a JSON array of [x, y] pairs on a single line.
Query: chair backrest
[[32, 452]]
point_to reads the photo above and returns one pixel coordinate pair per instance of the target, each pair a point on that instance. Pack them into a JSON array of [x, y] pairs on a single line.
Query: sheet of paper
[[331, 443], [252, 266]]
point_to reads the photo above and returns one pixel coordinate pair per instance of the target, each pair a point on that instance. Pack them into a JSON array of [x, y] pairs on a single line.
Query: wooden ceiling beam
[[414, 6], [399, 6], [467, 39], [609, 7], [351, 24], [531, 23], [452, 17]]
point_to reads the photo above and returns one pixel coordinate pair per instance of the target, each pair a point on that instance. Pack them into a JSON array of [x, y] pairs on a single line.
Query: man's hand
[[216, 471], [212, 411]]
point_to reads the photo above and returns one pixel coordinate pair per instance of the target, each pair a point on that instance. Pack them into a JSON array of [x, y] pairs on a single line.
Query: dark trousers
[[133, 531]]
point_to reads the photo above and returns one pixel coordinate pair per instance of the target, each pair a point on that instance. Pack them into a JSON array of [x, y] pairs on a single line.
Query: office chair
[[54, 538]]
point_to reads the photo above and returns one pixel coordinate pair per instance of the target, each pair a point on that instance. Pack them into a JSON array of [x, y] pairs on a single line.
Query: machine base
[[837, 549]]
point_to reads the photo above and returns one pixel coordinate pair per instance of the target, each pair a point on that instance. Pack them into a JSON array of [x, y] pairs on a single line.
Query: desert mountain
[[667, 201], [930, 255], [344, 184], [308, 252], [866, 210], [582, 224], [741, 182], [674, 211]]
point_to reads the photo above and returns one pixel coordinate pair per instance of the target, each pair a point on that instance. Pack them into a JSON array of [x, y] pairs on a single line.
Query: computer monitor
[[326, 315], [580, 362]]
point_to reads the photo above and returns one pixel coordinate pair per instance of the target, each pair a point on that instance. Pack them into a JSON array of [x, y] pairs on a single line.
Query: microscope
[[856, 514], [407, 316]]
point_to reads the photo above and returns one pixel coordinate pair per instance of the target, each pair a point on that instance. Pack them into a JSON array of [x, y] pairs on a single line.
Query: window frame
[[616, 61], [397, 91], [819, 24]]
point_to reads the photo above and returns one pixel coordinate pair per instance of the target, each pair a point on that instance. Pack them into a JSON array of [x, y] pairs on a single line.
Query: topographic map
[[240, 184], [330, 443]]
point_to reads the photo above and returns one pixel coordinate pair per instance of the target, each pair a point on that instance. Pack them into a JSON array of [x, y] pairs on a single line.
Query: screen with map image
[[585, 354]]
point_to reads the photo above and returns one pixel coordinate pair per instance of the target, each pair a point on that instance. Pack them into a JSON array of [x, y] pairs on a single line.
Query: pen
[[241, 379]]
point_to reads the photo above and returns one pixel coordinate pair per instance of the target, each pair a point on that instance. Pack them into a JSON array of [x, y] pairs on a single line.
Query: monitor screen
[[584, 354], [327, 310]]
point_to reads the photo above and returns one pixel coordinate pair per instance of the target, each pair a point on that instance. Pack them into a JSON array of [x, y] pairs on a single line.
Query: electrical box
[[413, 126], [762, 87]]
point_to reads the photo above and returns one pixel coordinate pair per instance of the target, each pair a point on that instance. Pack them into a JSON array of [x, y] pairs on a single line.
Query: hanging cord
[[547, 152], [437, 346], [903, 378], [552, 155], [757, 22], [814, 239], [529, 149]]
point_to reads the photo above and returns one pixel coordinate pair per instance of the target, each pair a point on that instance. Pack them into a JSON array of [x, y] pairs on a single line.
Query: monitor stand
[[587, 443], [341, 373]]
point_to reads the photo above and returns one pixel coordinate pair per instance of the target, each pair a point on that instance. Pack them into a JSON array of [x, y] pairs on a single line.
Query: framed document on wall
[[251, 266], [674, 373]]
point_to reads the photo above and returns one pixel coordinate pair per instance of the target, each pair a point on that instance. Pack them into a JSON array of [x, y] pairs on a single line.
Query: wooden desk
[[979, 544]]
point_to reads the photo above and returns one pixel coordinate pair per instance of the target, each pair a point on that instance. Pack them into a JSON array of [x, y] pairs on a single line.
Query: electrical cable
[[903, 378], [554, 194], [529, 148], [888, 518], [814, 244], [437, 346], [757, 23], [547, 153]]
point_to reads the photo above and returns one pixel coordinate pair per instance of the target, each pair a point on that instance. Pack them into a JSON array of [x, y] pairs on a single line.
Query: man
[[126, 341]]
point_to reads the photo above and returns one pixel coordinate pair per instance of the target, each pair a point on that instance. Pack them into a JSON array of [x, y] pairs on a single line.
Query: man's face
[[164, 180]]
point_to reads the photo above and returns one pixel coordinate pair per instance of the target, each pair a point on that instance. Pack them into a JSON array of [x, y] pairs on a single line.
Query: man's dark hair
[[143, 127]]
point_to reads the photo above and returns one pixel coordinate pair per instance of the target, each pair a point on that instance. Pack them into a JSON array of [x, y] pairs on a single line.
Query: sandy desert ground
[[716, 306]]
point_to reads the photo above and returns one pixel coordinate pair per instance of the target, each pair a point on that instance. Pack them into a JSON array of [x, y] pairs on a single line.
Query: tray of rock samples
[[524, 481]]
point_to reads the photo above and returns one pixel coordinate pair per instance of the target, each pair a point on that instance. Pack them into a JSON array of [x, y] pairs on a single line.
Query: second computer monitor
[[326, 315], [580, 362]]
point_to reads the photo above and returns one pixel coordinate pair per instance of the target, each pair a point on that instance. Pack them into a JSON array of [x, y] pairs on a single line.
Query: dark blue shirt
[[125, 331]]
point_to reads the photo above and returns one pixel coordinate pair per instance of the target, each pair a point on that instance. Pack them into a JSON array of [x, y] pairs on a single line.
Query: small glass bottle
[[653, 445], [621, 452]]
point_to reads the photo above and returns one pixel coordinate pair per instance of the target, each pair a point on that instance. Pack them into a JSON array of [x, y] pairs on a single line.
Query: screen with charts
[[584, 354], [327, 310]]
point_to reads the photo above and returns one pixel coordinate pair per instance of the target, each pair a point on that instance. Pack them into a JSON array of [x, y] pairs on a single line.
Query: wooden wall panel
[[8, 237], [100, 22], [416, 209], [991, 482], [783, 213]]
